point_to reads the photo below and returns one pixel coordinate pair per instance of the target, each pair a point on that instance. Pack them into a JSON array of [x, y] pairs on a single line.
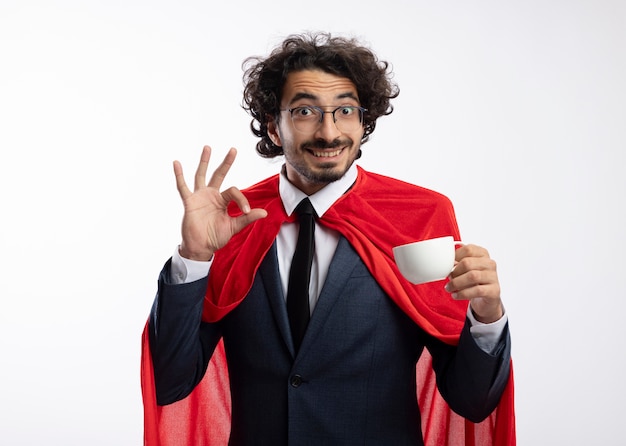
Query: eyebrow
[[299, 96]]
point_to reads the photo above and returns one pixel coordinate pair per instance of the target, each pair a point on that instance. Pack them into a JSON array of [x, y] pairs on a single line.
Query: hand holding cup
[[471, 271]]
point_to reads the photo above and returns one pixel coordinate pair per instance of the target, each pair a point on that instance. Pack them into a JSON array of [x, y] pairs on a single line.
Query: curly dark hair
[[264, 79]]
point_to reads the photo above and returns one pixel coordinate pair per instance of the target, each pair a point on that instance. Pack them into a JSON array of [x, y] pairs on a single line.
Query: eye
[[347, 111], [304, 112]]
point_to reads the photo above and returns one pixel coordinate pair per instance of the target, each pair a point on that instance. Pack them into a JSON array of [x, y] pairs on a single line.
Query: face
[[318, 157]]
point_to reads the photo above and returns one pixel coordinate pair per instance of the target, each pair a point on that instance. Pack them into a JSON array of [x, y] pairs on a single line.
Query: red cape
[[375, 215]]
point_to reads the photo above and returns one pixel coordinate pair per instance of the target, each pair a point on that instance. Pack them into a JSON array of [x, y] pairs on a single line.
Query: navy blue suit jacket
[[352, 381]]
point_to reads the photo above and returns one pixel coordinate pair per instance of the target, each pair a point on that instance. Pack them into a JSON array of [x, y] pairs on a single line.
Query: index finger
[[470, 251]]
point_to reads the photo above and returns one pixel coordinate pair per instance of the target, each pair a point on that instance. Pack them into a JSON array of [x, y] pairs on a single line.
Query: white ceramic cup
[[426, 260]]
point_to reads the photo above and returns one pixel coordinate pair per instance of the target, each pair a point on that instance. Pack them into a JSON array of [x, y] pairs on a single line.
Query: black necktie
[[300, 273]]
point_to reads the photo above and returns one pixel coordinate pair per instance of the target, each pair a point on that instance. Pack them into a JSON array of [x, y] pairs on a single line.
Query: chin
[[327, 173]]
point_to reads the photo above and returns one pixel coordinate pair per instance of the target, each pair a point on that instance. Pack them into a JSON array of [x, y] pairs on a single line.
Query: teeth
[[327, 154]]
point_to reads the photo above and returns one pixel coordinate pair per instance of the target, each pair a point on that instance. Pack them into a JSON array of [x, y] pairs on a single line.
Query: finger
[[489, 293], [483, 292], [181, 185], [470, 251], [200, 178], [220, 173], [470, 293], [234, 194], [249, 215], [245, 219], [471, 279], [468, 264]]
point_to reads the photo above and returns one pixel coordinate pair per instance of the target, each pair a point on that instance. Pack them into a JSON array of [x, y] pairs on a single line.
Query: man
[[343, 372]]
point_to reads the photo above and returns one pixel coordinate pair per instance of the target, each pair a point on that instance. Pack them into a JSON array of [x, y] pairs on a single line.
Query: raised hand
[[474, 278], [206, 225]]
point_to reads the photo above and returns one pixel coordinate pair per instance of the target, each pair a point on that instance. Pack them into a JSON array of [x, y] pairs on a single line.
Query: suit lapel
[[341, 267], [274, 291]]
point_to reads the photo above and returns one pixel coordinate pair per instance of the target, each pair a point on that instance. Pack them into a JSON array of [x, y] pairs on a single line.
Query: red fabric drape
[[375, 215]]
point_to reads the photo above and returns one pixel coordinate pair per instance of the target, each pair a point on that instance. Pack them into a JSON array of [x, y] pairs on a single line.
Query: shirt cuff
[[486, 336], [186, 270]]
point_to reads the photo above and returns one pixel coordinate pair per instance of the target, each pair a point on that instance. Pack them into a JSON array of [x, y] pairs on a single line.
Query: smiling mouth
[[326, 154]]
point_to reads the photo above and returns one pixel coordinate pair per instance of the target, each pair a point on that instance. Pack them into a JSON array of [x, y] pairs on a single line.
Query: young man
[[344, 371]]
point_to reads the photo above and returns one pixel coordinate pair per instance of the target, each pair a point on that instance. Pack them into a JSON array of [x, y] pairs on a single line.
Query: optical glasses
[[309, 118]]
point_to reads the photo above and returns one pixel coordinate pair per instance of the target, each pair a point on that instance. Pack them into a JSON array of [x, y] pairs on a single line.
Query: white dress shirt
[[326, 240]]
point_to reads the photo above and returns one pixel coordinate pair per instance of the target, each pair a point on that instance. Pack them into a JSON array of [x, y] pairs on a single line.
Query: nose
[[328, 129]]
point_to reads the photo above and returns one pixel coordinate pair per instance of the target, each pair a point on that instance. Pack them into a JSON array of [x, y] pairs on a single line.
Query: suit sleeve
[[470, 379], [181, 344]]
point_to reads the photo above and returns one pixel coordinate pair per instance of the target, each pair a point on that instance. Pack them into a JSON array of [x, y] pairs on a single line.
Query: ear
[[273, 132]]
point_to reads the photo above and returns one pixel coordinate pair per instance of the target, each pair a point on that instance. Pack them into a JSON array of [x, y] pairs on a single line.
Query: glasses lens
[[306, 119], [348, 118]]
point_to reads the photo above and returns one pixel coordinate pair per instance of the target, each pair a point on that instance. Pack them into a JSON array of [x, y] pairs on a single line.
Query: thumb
[[244, 220]]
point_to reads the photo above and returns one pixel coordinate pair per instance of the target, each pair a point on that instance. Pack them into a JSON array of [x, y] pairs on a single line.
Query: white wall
[[513, 109]]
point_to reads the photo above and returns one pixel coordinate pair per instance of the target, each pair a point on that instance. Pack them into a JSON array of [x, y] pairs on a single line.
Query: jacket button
[[296, 380]]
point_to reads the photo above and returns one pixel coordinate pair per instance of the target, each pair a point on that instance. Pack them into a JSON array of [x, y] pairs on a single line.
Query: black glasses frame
[[322, 112]]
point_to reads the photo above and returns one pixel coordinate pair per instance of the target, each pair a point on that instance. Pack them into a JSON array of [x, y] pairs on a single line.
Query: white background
[[515, 110]]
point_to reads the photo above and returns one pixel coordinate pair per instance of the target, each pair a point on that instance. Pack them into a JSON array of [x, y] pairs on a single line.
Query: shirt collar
[[321, 200]]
